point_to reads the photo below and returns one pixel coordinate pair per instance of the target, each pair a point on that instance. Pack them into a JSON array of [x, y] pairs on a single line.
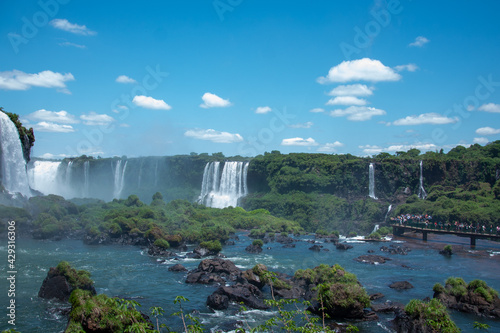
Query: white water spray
[[43, 177], [13, 173], [86, 179], [386, 214], [221, 190], [119, 175], [421, 191], [371, 185]]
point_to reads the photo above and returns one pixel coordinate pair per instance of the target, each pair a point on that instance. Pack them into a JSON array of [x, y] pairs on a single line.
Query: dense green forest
[[330, 192], [131, 221]]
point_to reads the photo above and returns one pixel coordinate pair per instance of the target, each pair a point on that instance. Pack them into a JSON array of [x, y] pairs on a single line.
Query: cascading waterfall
[[386, 214], [86, 179], [43, 177], [119, 175], [14, 175], [375, 228], [219, 190], [421, 191], [371, 185]]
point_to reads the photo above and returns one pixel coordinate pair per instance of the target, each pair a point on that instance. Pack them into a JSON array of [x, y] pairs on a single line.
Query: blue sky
[[113, 78]]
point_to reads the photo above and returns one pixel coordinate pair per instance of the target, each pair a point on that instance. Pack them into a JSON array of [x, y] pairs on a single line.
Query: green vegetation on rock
[[432, 314]]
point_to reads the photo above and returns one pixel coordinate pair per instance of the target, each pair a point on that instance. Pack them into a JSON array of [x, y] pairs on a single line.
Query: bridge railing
[[447, 227]]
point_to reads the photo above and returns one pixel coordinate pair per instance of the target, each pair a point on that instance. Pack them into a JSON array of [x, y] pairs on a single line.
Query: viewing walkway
[[399, 229]]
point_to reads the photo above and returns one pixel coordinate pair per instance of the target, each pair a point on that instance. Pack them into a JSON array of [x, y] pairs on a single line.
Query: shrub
[[77, 279], [375, 235], [480, 287], [353, 234], [438, 288], [456, 286], [335, 232], [213, 246], [257, 233], [384, 231], [433, 313], [257, 242], [162, 243]]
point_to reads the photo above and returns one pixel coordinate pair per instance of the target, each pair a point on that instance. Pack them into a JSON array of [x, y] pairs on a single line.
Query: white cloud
[[490, 107], [94, 119], [18, 80], [346, 100], [73, 45], [303, 125], [317, 110], [52, 127], [481, 141], [263, 109], [371, 150], [54, 116], [408, 67], [351, 90], [330, 147], [365, 69], [213, 101], [124, 125], [65, 25], [299, 142], [125, 79], [214, 136], [150, 103], [470, 107], [405, 147], [420, 41], [357, 113], [487, 131], [425, 118]]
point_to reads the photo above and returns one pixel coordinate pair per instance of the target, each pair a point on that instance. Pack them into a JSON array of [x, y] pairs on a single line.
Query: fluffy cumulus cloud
[[408, 67], [481, 141], [357, 113], [330, 147], [373, 149], [18, 80], [65, 25], [45, 126], [299, 142], [308, 124], [125, 79], [62, 116], [351, 90], [94, 119], [490, 107], [317, 110], [213, 101], [148, 102], [487, 131], [263, 109], [419, 41], [425, 119], [213, 135], [346, 100], [365, 69]]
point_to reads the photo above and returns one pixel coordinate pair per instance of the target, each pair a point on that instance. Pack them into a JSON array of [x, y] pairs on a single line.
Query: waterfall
[[223, 189], [43, 177], [421, 191], [13, 165], [375, 228], [86, 181], [119, 175], [388, 210], [156, 173], [371, 186]]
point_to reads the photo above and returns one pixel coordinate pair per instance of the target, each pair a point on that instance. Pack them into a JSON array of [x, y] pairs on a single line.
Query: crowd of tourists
[[427, 222]]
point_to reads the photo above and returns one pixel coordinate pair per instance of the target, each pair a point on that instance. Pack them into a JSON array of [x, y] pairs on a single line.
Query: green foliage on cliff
[[102, 313], [432, 314], [26, 136], [77, 279], [458, 288]]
